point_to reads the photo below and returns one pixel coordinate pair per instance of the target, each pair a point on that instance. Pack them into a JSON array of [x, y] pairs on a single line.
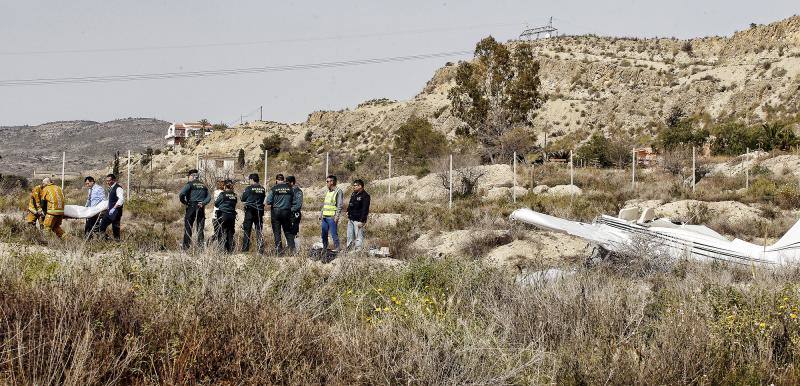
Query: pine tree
[[240, 159], [115, 168]]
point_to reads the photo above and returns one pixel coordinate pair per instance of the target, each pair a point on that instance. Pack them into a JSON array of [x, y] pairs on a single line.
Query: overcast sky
[[116, 37]]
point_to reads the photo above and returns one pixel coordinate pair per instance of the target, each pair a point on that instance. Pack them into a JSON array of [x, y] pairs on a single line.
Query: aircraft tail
[[792, 236]]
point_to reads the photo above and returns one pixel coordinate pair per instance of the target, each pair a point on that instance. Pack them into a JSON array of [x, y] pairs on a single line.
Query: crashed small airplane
[[679, 240]]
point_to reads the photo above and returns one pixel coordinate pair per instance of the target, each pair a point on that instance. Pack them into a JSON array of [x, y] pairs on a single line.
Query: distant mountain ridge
[[89, 145]]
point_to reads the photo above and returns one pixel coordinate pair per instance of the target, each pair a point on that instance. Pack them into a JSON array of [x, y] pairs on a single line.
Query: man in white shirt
[[116, 199], [95, 196]]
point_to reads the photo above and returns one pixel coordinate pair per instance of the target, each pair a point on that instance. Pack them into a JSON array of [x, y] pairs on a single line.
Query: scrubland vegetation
[[140, 312], [137, 317]]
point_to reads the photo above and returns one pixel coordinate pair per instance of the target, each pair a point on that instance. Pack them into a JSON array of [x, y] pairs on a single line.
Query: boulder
[[383, 219], [540, 246], [452, 243], [688, 210], [783, 164], [737, 165], [540, 189], [564, 190]]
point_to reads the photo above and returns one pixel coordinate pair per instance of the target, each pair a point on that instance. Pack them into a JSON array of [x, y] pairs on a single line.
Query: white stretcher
[[78, 211]]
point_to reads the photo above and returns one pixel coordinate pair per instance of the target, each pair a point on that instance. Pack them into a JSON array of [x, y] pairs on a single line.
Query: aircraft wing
[[596, 233]]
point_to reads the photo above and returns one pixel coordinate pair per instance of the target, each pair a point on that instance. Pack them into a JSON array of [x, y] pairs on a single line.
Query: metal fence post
[[450, 181], [390, 173], [63, 168], [694, 167], [128, 191], [746, 170], [571, 170], [514, 183], [633, 170]]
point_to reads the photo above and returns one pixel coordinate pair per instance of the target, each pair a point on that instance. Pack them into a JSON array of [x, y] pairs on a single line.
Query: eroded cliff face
[[617, 85]]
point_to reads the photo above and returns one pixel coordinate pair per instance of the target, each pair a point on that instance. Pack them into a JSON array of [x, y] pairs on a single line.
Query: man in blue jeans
[[331, 209]]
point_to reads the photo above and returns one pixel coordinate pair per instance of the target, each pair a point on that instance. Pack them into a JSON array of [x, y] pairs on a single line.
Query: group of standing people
[[46, 207], [284, 200]]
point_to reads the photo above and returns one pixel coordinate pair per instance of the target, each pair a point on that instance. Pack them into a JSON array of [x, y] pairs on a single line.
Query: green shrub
[[684, 134], [417, 143], [734, 138]]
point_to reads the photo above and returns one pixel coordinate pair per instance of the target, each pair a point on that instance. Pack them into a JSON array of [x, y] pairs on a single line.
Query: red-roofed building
[[179, 131]]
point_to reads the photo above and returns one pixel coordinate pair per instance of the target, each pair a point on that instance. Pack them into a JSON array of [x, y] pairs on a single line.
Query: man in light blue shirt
[[95, 196]]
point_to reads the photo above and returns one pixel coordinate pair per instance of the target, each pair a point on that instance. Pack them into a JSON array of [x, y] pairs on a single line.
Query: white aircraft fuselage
[[678, 240]]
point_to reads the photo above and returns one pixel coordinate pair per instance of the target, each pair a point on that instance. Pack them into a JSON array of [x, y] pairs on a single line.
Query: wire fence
[[387, 174]]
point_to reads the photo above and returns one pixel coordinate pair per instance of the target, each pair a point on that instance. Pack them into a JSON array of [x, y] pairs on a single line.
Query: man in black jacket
[[195, 196], [357, 212], [253, 200]]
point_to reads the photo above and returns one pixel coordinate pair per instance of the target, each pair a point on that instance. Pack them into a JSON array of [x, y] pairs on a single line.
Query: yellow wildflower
[[793, 316], [762, 325]]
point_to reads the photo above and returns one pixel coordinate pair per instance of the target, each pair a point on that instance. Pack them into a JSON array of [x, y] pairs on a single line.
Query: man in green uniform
[[253, 200], [280, 200], [226, 215], [297, 205], [195, 196]]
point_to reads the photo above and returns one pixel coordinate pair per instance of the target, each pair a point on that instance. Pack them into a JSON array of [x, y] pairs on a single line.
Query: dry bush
[[213, 319]]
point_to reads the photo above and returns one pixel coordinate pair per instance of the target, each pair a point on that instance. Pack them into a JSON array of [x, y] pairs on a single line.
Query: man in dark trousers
[[253, 200], [357, 212], [195, 196], [297, 206], [226, 215], [94, 197], [116, 199], [280, 201]]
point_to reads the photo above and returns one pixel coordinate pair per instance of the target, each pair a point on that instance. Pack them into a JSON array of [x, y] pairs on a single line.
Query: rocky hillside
[[618, 85], [89, 145]]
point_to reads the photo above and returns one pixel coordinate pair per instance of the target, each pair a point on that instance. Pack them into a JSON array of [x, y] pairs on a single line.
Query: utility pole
[[261, 113], [266, 153]]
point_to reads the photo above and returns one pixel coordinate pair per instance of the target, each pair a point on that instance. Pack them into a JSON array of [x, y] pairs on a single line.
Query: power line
[[251, 43], [224, 72]]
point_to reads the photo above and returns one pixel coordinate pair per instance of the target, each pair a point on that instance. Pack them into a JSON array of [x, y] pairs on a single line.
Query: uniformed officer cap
[[193, 171]]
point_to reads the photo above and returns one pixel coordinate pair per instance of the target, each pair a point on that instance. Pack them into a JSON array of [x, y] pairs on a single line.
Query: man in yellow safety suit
[[52, 205], [34, 209]]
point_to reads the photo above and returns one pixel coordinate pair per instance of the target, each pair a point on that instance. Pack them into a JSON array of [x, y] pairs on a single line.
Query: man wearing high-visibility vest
[[331, 209], [52, 204], [34, 206]]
